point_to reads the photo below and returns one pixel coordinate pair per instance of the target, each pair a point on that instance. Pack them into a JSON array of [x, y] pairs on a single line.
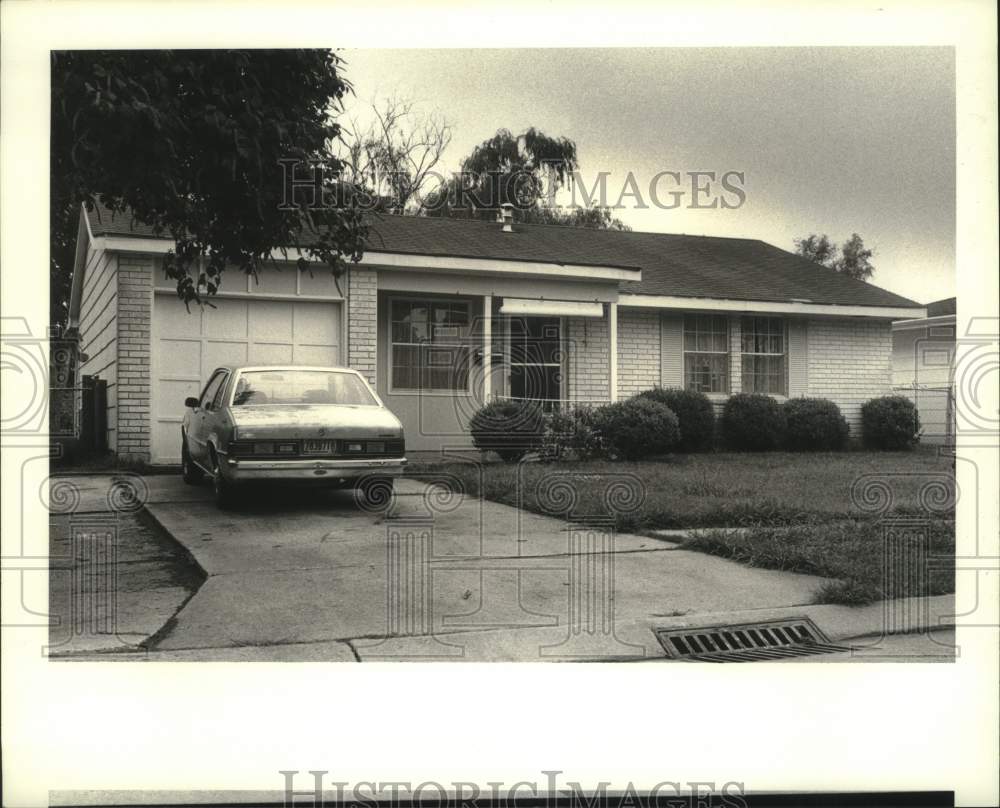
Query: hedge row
[[660, 421]]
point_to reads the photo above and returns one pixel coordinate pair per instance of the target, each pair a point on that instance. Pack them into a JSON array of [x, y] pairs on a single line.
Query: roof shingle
[[676, 265]]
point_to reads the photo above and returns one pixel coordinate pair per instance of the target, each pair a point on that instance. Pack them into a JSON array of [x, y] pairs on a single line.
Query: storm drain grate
[[747, 642]]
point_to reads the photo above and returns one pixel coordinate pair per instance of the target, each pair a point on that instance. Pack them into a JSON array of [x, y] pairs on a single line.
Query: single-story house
[[923, 368], [443, 314]]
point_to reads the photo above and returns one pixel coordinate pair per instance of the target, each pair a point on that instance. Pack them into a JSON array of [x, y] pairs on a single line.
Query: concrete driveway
[[309, 575]]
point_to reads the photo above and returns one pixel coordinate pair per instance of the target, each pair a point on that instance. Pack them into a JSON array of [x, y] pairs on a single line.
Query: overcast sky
[[830, 140]]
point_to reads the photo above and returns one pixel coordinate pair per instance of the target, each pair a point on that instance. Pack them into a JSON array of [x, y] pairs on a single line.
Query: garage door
[[187, 347]]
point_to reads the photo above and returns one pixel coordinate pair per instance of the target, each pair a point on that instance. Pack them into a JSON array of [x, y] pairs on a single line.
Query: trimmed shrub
[[509, 428], [571, 433], [890, 423], [814, 425], [753, 422], [637, 428], [695, 415]]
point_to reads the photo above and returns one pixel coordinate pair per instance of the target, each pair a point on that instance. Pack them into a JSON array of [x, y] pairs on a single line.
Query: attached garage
[[268, 324]]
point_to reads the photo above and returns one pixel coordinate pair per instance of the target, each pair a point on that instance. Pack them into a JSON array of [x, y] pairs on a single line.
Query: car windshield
[[257, 387]]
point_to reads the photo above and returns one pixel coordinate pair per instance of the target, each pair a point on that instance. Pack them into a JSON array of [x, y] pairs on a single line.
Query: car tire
[[190, 472], [375, 493], [225, 492]]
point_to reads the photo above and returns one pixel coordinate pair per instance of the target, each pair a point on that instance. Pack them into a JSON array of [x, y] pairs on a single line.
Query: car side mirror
[[191, 402]]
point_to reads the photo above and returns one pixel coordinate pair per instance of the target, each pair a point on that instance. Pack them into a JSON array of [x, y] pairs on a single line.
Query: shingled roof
[[941, 308], [675, 265]]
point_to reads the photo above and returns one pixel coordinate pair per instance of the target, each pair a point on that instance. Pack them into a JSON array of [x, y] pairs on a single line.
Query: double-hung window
[[706, 353], [764, 348], [430, 345]]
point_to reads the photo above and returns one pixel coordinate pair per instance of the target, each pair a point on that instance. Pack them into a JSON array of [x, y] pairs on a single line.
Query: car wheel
[[225, 491], [190, 472], [375, 493]]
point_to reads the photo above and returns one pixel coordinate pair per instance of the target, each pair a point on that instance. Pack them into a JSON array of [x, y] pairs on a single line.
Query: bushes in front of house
[[646, 426], [637, 428], [890, 423], [753, 422], [814, 425], [626, 430], [512, 429], [573, 434], [695, 415]]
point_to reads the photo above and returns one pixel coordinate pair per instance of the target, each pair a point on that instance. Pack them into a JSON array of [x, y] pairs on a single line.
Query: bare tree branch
[[394, 156]]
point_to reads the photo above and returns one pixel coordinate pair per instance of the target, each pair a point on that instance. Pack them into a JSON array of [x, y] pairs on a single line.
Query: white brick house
[[441, 315]]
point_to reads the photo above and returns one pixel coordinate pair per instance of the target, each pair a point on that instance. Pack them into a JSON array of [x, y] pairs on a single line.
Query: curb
[[885, 617]]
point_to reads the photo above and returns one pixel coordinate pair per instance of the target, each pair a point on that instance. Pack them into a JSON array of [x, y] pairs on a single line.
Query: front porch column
[[487, 348], [613, 351]]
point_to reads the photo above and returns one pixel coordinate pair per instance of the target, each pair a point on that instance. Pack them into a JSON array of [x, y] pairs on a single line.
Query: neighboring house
[[923, 367], [571, 315]]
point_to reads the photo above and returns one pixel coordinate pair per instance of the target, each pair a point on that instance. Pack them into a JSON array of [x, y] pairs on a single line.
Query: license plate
[[317, 447]]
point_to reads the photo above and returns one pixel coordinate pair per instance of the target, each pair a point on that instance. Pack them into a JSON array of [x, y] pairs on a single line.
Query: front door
[[536, 358]]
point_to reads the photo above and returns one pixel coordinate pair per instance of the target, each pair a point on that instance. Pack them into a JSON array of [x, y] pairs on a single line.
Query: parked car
[[290, 424]]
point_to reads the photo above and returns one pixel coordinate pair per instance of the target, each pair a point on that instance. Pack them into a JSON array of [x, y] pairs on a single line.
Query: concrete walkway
[[310, 575], [302, 575], [115, 578]]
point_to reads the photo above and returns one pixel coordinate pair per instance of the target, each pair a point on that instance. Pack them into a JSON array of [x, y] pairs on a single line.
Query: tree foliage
[[853, 259], [525, 171], [596, 217], [199, 145], [518, 170]]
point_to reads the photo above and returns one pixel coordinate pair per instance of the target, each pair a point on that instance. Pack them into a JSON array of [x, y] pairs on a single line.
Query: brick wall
[[638, 351], [362, 321], [850, 361], [588, 348], [135, 299]]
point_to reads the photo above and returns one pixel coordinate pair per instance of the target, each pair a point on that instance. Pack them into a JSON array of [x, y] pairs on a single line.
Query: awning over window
[[551, 308]]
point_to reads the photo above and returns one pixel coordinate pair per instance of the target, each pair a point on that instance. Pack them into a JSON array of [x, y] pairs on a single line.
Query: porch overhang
[[551, 308]]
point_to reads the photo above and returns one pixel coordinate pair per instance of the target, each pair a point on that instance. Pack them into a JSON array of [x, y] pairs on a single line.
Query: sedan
[[291, 424]]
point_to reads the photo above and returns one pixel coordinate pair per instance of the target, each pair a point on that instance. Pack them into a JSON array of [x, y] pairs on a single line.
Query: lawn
[[717, 490], [823, 514], [864, 557]]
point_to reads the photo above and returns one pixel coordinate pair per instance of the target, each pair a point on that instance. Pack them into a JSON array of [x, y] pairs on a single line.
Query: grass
[[855, 554], [711, 490], [797, 511]]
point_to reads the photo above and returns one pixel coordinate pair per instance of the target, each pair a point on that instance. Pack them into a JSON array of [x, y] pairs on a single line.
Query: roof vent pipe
[[506, 217]]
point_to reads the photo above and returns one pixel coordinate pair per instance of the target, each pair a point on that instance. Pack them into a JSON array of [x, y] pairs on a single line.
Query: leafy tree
[[596, 217], [200, 145], [853, 259], [818, 249], [506, 169]]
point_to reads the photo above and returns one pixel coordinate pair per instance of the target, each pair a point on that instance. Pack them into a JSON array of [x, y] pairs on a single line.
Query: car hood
[[314, 421]]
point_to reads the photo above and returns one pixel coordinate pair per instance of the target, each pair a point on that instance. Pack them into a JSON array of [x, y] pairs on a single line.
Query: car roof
[[331, 368]]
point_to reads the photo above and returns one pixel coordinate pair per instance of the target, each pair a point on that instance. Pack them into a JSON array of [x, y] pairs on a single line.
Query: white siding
[[99, 329]]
